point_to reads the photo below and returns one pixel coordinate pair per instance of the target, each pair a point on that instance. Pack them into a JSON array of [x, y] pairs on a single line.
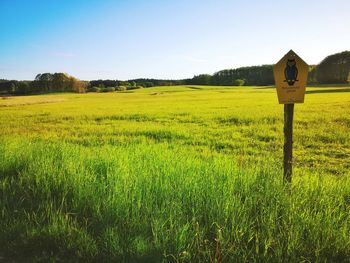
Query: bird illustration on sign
[[291, 72]]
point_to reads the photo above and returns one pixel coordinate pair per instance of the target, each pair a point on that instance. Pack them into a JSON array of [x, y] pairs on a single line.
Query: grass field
[[174, 174]]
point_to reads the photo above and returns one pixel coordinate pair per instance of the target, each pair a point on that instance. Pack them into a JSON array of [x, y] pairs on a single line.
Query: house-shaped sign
[[290, 78]]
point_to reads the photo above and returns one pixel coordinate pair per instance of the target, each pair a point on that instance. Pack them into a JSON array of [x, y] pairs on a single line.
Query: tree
[[23, 88], [238, 82], [255, 75], [148, 84], [334, 69], [202, 79], [45, 81], [123, 83], [61, 82], [78, 85], [312, 77], [57, 82]]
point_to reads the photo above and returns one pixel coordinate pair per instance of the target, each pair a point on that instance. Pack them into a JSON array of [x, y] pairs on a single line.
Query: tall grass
[[156, 203], [185, 176]]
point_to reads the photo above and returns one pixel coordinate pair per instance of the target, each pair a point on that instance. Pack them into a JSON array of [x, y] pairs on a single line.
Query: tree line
[[254, 76], [334, 69], [44, 83]]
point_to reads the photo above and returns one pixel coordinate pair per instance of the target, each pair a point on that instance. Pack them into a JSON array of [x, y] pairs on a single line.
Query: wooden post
[[288, 142]]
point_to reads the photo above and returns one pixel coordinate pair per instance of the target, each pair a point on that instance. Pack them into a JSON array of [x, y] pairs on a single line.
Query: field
[[174, 174]]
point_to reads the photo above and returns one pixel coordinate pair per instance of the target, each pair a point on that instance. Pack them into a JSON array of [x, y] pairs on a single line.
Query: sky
[[168, 39]]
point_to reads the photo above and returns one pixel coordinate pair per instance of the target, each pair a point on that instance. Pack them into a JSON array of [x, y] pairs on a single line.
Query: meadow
[[174, 174]]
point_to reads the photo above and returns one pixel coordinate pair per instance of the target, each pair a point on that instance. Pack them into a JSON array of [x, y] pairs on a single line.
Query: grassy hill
[[175, 174]]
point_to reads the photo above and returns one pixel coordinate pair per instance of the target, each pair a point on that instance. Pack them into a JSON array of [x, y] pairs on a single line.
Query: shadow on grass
[[265, 87], [328, 91], [195, 88], [322, 90]]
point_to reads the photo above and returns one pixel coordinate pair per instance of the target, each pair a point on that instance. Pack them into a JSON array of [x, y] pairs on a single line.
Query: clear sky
[[93, 39]]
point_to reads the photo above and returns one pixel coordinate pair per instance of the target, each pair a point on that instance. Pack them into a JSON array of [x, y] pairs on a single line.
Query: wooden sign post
[[290, 75]]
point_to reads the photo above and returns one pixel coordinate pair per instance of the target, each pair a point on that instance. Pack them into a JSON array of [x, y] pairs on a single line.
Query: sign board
[[290, 78]]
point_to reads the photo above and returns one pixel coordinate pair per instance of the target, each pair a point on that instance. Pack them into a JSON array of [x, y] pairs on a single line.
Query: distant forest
[[334, 69]]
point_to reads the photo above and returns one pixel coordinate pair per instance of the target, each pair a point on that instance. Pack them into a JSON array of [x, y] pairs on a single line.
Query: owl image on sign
[[291, 72], [290, 75]]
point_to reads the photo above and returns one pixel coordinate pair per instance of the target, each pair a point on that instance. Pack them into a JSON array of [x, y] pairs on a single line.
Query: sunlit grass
[[179, 174]]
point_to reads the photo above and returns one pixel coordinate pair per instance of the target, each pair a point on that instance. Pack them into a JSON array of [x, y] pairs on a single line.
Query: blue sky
[[93, 39]]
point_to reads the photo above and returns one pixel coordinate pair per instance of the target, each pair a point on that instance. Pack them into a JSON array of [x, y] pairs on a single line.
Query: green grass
[[174, 174]]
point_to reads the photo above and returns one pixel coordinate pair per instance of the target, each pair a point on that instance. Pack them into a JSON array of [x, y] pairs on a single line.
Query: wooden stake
[[288, 142]]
